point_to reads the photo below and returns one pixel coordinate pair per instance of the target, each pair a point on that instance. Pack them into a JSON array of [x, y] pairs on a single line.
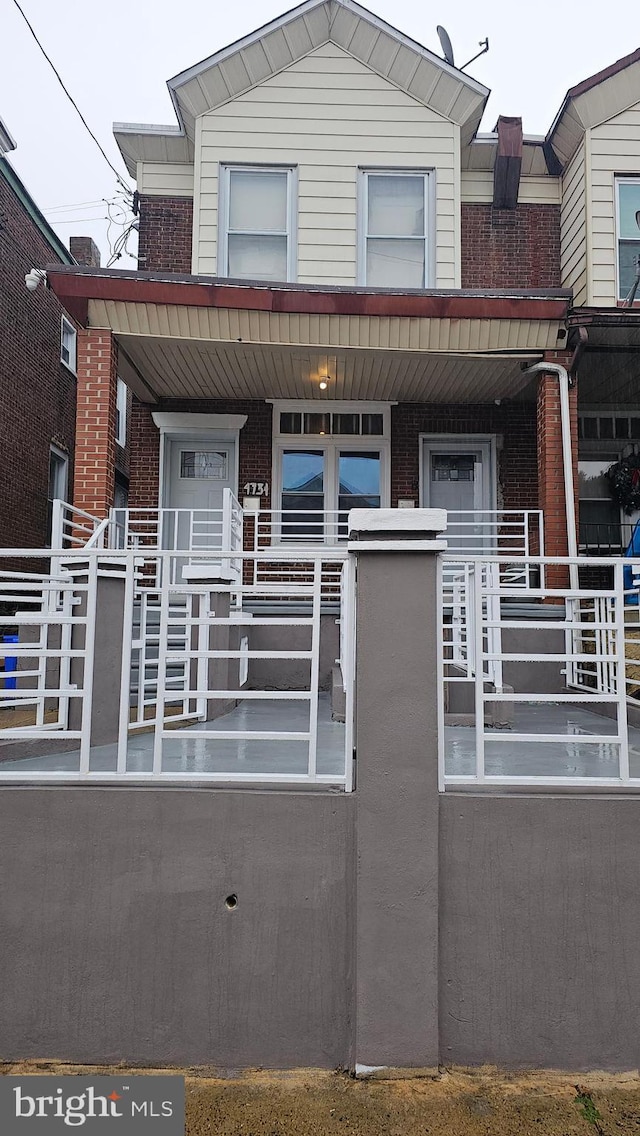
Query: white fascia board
[[146, 128], [350, 5]]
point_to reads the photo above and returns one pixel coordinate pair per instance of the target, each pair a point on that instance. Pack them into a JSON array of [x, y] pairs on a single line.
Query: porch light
[[324, 382]]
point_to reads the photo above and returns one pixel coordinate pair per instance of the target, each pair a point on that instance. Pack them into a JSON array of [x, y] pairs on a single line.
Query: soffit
[[197, 369], [590, 104], [140, 143], [481, 155], [273, 48]]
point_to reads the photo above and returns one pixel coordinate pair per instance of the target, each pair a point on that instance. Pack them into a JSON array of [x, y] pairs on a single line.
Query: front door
[[456, 476], [197, 473]]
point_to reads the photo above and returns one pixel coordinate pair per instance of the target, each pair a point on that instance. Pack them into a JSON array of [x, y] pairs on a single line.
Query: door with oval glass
[[198, 472], [458, 476]]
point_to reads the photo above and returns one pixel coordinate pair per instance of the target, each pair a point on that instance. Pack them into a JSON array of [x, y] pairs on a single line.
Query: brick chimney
[[85, 251]]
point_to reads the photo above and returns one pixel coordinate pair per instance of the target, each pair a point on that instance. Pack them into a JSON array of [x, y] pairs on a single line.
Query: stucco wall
[[116, 942]]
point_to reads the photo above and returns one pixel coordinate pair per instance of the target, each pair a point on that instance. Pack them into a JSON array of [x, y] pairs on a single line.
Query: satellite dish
[[445, 44]]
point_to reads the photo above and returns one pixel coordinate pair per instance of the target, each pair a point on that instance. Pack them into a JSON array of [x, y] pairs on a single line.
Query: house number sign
[[256, 488]]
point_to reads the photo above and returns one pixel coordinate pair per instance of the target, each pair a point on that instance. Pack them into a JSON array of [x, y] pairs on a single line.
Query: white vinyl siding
[[329, 115], [615, 150], [573, 228], [164, 179], [477, 188]]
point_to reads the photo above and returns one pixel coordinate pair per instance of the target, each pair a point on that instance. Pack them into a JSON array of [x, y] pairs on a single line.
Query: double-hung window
[[394, 229], [257, 236], [628, 204]]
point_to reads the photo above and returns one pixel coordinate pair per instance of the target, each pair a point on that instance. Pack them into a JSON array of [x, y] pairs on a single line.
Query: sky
[[115, 59]]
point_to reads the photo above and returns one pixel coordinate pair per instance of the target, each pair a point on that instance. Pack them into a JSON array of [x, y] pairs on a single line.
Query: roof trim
[[26, 200], [606, 73], [78, 285], [7, 141]]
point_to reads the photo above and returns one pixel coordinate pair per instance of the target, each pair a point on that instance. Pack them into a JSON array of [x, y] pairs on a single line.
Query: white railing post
[[57, 523]]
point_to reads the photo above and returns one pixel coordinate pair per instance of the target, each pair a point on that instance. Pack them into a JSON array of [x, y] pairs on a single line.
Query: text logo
[[128, 1105]]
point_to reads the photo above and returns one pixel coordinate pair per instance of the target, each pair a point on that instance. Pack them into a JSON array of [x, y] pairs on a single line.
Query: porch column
[[397, 786], [95, 457], [550, 466]]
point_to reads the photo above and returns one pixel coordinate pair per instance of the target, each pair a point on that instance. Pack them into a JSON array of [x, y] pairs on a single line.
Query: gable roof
[[277, 45], [595, 100]]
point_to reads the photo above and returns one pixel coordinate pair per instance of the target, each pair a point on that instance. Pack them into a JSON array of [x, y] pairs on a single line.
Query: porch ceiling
[[196, 369]]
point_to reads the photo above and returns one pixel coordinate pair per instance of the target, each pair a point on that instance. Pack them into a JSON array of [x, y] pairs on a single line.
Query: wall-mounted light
[[35, 277]]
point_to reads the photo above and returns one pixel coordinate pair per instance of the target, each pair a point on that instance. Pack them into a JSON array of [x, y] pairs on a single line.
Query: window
[[628, 204], [68, 337], [121, 414], [257, 240], [57, 488], [337, 462], [394, 245], [204, 465], [600, 527]]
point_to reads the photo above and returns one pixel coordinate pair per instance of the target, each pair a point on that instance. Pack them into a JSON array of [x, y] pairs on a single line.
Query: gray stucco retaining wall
[[540, 931], [116, 943]]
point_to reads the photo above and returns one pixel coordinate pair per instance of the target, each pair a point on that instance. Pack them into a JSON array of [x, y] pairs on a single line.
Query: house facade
[[37, 368], [342, 288]]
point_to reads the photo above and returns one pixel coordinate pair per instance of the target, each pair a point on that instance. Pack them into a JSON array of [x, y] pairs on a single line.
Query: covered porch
[[307, 403]]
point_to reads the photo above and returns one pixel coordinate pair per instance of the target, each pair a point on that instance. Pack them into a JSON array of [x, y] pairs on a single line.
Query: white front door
[[457, 476], [198, 470]]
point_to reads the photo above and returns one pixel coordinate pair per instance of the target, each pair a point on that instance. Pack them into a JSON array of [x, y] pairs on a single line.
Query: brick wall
[[165, 234], [510, 248], [550, 461], [514, 423], [96, 423], [37, 392], [254, 457]]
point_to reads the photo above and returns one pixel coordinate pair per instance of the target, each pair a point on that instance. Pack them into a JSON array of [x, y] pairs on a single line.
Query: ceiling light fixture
[[324, 382]]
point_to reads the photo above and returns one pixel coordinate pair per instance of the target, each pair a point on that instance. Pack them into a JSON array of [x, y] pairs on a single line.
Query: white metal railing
[[51, 631], [72, 527], [187, 701], [575, 735]]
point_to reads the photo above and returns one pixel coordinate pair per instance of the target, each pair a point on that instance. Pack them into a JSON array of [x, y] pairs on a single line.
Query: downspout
[[567, 459]]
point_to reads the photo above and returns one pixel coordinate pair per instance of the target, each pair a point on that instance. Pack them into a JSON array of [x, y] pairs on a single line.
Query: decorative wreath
[[624, 482]]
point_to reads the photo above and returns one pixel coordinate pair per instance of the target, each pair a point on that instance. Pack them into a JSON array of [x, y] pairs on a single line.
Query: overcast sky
[[116, 57]]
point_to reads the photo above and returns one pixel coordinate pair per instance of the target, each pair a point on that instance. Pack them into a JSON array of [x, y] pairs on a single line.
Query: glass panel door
[[303, 490], [358, 483]]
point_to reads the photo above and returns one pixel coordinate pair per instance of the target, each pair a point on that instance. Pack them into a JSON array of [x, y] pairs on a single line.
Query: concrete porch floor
[[193, 755], [221, 755]]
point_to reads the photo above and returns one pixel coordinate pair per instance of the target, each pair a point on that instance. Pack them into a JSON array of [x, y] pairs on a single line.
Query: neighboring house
[[37, 368], [342, 286]]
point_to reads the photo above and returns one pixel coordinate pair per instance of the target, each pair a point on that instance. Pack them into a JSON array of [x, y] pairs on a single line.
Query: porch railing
[[188, 707], [594, 664]]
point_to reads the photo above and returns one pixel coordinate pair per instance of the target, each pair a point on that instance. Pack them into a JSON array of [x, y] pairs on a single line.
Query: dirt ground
[[457, 1102]]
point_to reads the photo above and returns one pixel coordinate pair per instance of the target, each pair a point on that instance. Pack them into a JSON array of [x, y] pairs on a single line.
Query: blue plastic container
[[10, 663]]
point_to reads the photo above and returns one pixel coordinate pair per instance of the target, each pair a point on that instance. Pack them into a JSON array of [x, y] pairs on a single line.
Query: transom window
[[628, 204], [394, 250], [257, 240], [344, 467]]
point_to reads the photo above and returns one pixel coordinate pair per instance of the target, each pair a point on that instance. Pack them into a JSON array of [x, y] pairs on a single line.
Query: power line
[[72, 100], [78, 205]]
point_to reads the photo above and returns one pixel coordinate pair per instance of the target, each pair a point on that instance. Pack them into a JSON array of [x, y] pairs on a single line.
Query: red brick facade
[[550, 463], [165, 234], [254, 459], [96, 423], [514, 425], [37, 392], [510, 248]]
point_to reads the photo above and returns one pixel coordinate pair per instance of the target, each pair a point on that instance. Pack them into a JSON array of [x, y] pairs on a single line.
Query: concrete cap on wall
[[412, 524]]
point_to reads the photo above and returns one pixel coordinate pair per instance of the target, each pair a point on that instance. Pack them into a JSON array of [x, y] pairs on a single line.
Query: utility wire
[[72, 100]]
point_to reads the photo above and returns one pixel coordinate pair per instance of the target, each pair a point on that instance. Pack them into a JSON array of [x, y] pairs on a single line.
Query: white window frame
[[429, 240], [292, 214], [67, 328], [331, 444], [619, 240], [121, 418], [63, 458]]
